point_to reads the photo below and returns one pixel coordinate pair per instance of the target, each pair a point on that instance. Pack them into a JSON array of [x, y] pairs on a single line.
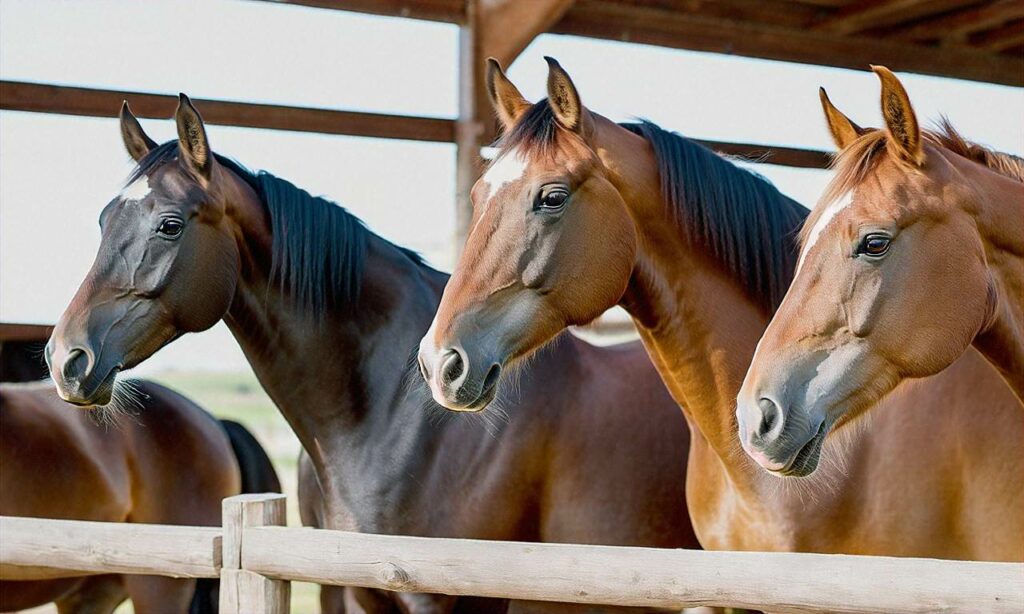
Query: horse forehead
[[138, 189], [508, 167], [825, 220]]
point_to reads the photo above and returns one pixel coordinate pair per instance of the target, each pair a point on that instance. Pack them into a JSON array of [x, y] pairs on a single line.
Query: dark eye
[[553, 199], [170, 228], [874, 245]]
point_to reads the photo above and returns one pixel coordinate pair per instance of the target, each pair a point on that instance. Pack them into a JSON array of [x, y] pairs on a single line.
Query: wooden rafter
[[608, 19], [1002, 38], [65, 100], [867, 14], [960, 23], [22, 96], [708, 26]]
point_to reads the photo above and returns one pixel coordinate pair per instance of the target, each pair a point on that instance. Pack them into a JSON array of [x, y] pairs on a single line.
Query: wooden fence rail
[[257, 560]]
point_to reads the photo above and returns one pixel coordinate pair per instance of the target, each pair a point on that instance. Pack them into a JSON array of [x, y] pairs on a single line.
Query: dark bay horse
[[169, 463], [578, 214], [329, 314], [914, 254]]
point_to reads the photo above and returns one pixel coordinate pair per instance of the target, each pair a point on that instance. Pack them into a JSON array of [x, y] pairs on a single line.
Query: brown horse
[[170, 463], [329, 314], [915, 253], [578, 214]]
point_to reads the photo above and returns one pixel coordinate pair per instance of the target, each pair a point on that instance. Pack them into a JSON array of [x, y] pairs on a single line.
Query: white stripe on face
[[822, 223], [136, 190], [509, 167]]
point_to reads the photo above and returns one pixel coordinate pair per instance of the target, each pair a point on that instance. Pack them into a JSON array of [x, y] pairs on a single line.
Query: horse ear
[[904, 133], [508, 103], [193, 146], [843, 130], [563, 97], [136, 141]]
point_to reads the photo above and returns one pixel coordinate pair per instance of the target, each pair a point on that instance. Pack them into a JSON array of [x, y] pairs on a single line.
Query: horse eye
[[170, 227], [554, 198], [874, 245]]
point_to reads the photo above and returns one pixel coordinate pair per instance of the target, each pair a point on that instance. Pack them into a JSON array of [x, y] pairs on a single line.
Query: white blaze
[[822, 223], [506, 169], [136, 190]]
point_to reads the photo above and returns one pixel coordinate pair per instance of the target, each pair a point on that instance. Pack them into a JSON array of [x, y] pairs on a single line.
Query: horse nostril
[[771, 416], [423, 368], [453, 367], [492, 377], [75, 365]]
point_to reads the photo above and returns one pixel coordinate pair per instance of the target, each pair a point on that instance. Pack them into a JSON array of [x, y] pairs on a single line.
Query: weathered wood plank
[[242, 591], [35, 548], [42, 98], [776, 582]]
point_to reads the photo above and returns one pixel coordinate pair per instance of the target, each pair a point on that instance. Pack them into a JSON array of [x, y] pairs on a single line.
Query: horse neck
[[999, 217], [336, 378], [697, 322]]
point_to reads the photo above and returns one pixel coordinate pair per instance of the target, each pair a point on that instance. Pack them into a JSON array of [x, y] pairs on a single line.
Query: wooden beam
[[492, 28], [10, 331], [1002, 38], [607, 19], [643, 577], [40, 98], [38, 548], [656, 23], [242, 591], [474, 116], [767, 154], [960, 23], [509, 26], [22, 96], [867, 14]]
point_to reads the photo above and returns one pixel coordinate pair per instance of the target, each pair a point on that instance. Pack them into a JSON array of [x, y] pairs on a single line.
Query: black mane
[[319, 248], [749, 226]]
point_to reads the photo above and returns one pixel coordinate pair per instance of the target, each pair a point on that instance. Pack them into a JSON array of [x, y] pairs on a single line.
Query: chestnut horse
[[915, 252], [329, 315], [171, 463], [578, 214]]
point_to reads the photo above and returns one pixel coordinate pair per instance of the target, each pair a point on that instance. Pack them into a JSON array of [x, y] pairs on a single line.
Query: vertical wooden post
[[241, 591], [502, 29], [469, 127]]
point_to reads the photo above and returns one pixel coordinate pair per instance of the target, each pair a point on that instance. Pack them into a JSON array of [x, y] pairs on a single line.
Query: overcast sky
[[57, 172]]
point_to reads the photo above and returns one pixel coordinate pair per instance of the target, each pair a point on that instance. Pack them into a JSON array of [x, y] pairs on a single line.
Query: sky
[[57, 172]]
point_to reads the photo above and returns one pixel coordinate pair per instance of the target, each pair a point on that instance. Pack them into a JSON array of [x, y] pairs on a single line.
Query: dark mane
[[536, 129], [747, 224], [319, 248]]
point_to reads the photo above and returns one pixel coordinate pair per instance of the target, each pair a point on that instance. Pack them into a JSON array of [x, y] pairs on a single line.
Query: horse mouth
[[100, 395], [805, 461]]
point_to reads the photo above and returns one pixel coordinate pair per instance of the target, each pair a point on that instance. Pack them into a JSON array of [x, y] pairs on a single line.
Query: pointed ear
[[563, 97], [509, 104], [136, 141], [193, 146], [900, 121], [843, 130]]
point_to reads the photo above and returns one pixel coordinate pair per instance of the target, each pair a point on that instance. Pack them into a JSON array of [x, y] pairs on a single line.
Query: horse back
[[182, 458], [57, 462]]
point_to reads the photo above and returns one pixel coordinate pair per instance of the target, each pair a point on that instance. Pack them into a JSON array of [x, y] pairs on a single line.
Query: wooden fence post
[[241, 591]]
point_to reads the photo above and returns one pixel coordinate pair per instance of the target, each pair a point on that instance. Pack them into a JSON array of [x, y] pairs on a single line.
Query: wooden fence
[[255, 557]]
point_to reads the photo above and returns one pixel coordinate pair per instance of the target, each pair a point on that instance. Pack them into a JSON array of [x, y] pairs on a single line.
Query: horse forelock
[[854, 163]]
